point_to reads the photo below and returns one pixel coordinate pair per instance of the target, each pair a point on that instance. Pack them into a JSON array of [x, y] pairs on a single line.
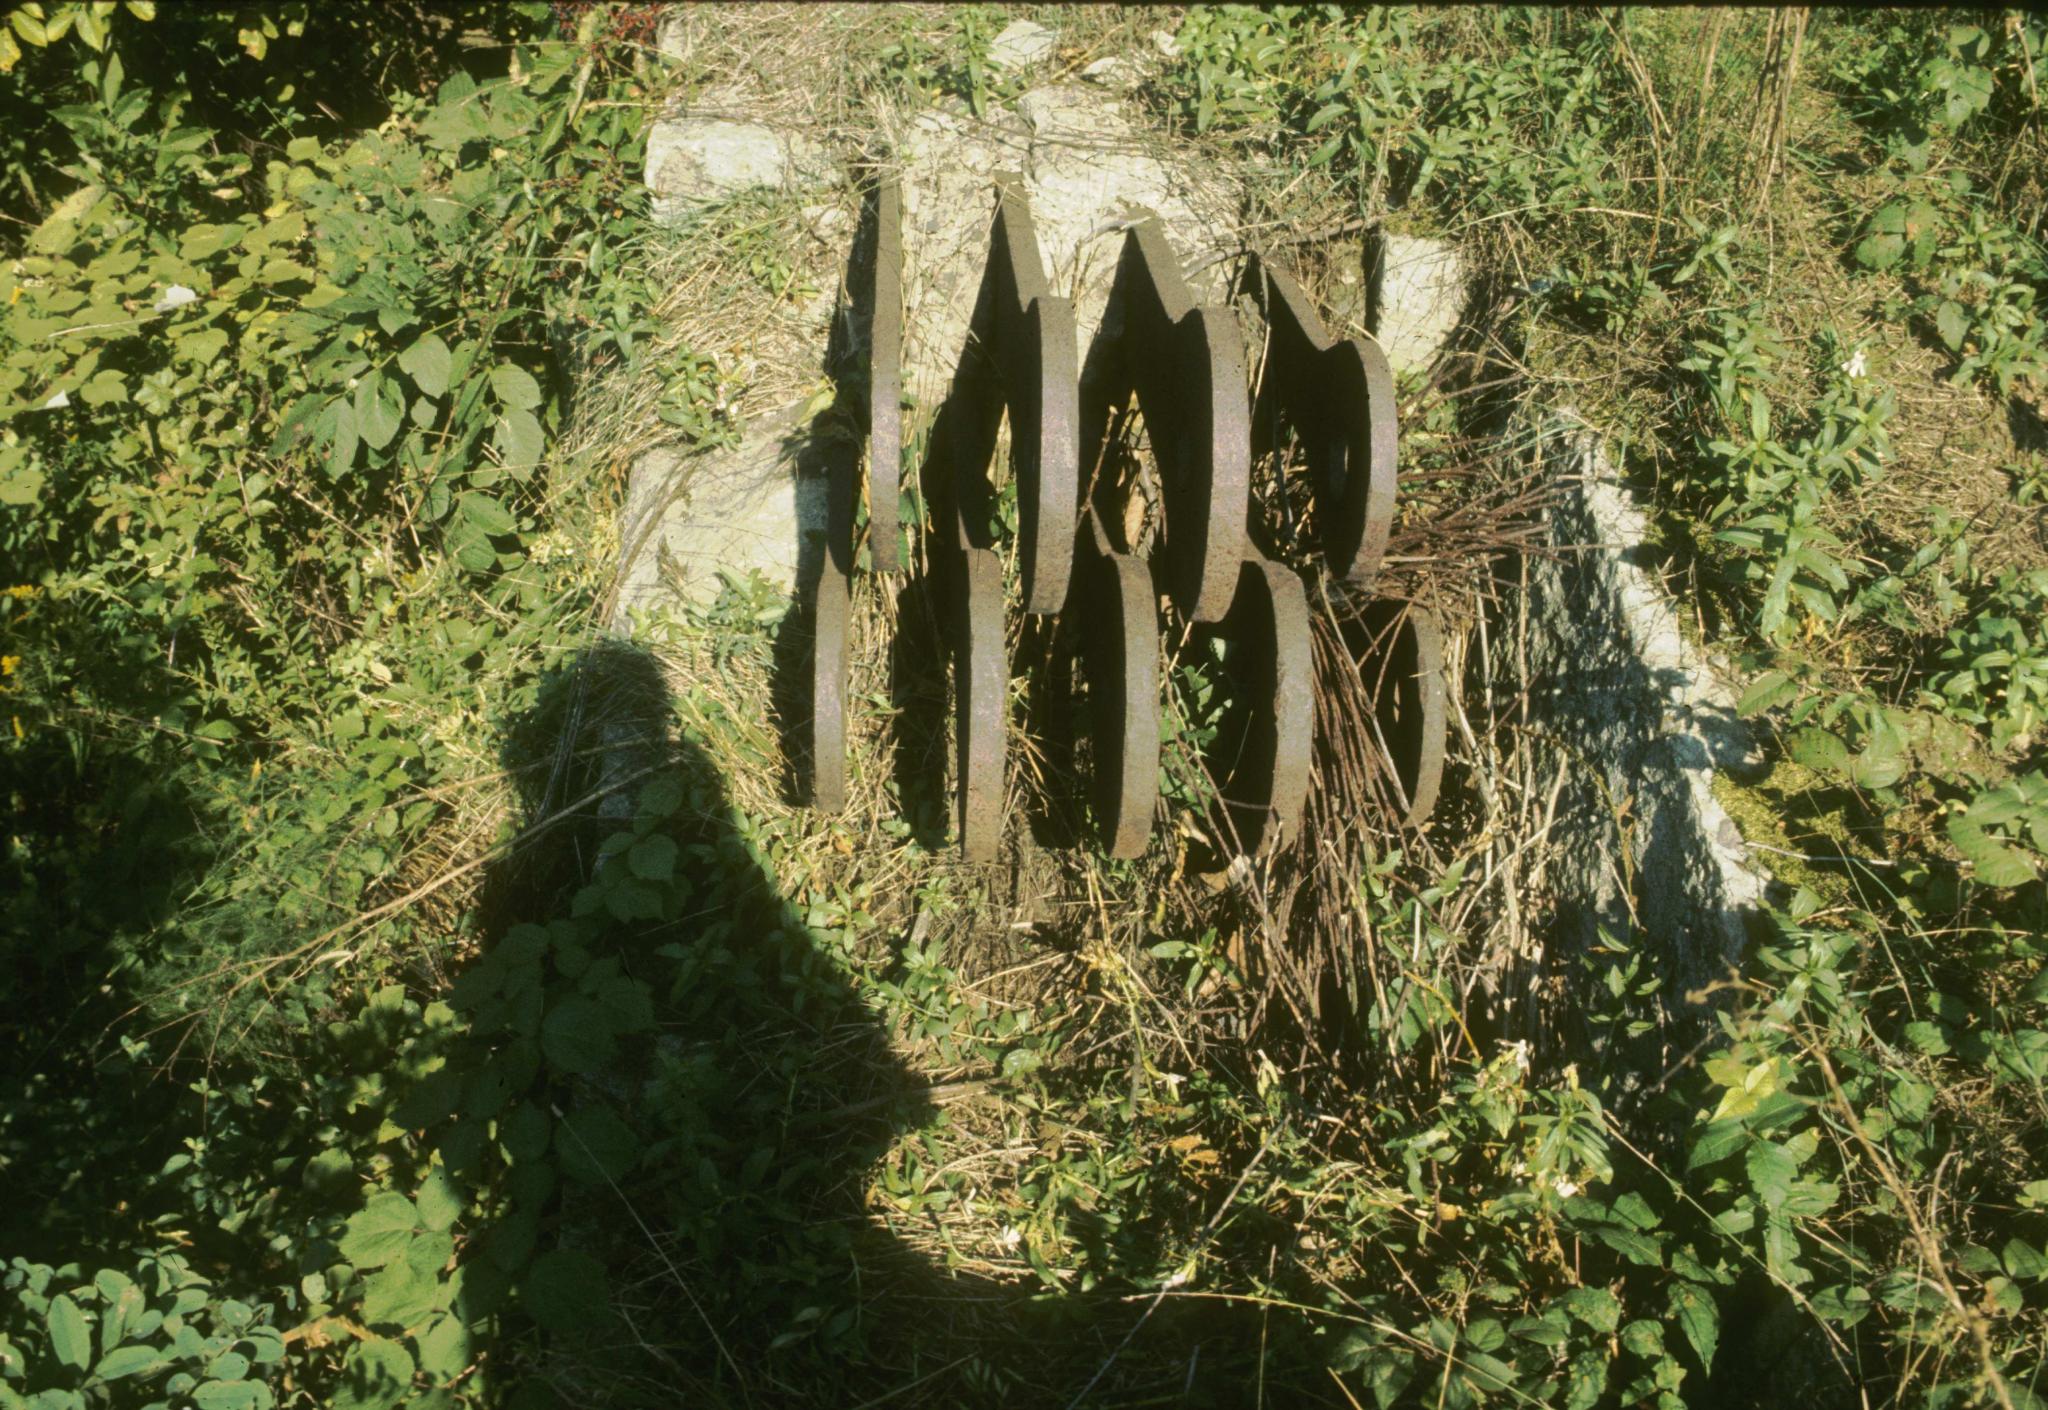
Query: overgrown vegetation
[[416, 1000]]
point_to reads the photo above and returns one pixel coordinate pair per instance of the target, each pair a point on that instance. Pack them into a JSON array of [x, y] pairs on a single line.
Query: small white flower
[[1855, 367], [1012, 1237], [57, 402], [1520, 1049], [1566, 1189], [177, 296], [1180, 1279]]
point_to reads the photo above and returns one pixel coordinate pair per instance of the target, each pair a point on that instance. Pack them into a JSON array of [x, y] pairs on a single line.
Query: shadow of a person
[[686, 1098], [683, 1088]]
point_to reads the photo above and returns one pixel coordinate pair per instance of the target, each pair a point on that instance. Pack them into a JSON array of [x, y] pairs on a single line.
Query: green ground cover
[[372, 1040]]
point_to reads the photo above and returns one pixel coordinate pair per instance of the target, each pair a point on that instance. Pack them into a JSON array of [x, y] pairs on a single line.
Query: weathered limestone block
[[1642, 719], [696, 161], [1020, 45], [747, 508], [1417, 293]]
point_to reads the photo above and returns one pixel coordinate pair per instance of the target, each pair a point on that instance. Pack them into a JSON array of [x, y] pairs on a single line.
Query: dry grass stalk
[[1771, 122]]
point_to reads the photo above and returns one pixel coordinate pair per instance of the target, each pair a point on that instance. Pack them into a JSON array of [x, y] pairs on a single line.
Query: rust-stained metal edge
[[1035, 346], [1432, 699], [885, 382], [1184, 362], [1398, 647], [981, 689], [1048, 458], [1338, 393], [1267, 789], [1120, 631], [829, 612]]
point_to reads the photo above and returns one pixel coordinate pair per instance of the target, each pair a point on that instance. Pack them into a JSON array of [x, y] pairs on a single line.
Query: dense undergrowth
[[373, 1039], [1865, 1138]]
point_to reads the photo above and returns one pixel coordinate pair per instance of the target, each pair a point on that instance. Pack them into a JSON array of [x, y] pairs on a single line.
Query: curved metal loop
[[1184, 362], [1398, 649], [1019, 359], [1120, 656], [1183, 365], [885, 382], [1264, 785], [1338, 395], [828, 687], [981, 696]]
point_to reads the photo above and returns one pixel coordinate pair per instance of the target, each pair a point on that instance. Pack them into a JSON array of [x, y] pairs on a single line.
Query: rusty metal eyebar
[[1085, 561]]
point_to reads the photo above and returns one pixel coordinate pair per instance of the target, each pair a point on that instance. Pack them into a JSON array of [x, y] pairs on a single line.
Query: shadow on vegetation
[[714, 1145]]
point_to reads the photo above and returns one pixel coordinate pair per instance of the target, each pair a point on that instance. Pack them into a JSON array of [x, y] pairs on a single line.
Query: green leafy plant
[[1998, 659], [2003, 833], [153, 1329]]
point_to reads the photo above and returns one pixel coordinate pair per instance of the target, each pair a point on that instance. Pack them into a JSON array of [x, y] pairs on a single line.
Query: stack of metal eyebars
[[1184, 364]]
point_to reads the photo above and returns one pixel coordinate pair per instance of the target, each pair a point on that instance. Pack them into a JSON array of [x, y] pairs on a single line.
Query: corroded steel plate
[[1265, 785], [885, 382], [1338, 394], [1399, 651], [1185, 365], [828, 687], [1120, 633], [981, 689]]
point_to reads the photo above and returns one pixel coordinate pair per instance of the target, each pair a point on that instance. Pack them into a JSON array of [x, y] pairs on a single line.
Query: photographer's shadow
[[710, 1093]]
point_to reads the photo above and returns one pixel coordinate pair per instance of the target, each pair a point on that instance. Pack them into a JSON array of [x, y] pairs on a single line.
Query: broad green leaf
[[472, 549], [398, 1295], [341, 434], [1771, 1171], [1587, 1381], [380, 410], [1969, 93], [444, 1348], [376, 1375], [1635, 1247], [380, 1231], [484, 514], [329, 1172], [429, 1252], [1645, 1338], [518, 439], [1019, 1061], [2023, 1261], [564, 1291], [70, 1339], [653, 858], [20, 482], [1952, 324], [660, 797], [1880, 765], [1697, 1316], [1770, 688], [595, 1146], [105, 388], [1551, 1329], [578, 1035], [515, 387], [1820, 750], [1596, 1307], [440, 1201], [426, 362], [128, 1361], [1995, 862], [1884, 238], [227, 1395]]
